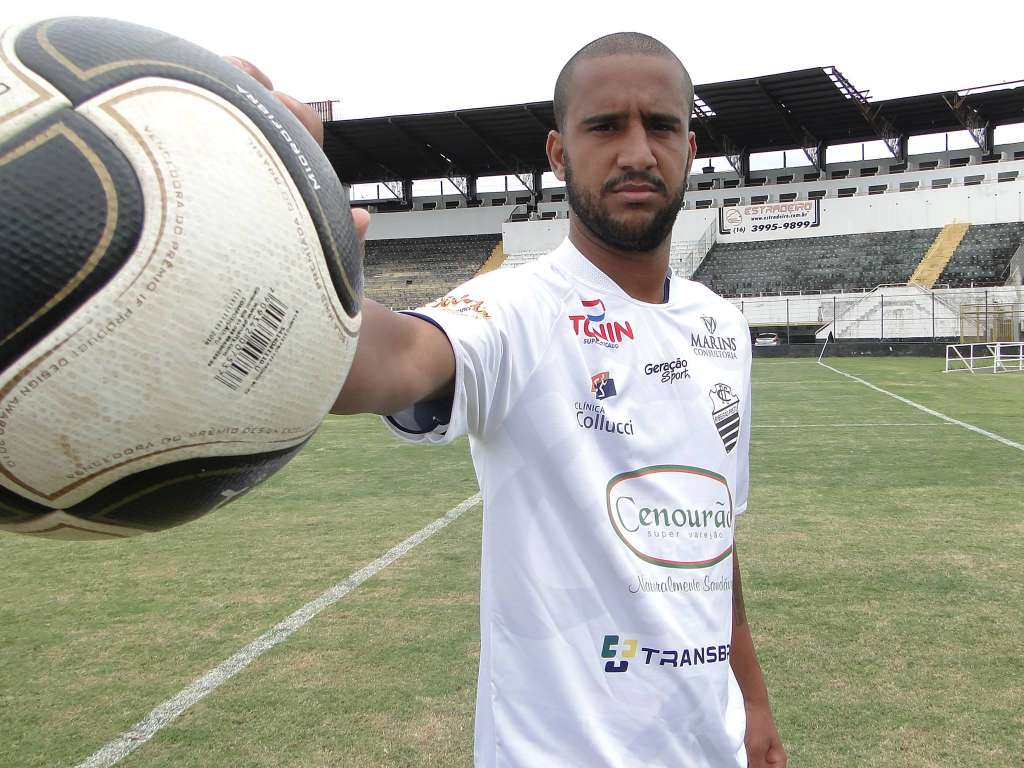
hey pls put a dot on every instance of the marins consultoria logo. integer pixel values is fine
(710, 344)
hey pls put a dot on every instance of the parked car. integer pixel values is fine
(767, 340)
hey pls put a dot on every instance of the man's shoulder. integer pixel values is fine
(707, 299)
(530, 290)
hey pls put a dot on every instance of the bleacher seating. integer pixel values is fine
(983, 255)
(807, 265)
(409, 272)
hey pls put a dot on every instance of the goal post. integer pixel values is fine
(990, 357)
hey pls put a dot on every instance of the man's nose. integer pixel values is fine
(635, 152)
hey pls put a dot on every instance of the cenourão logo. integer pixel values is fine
(595, 329)
(619, 652)
(673, 516)
(710, 345)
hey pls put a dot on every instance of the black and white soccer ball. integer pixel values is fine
(179, 281)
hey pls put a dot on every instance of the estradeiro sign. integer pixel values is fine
(769, 219)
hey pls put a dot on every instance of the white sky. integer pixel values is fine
(380, 57)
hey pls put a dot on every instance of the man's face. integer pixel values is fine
(625, 149)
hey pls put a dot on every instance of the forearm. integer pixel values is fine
(743, 656)
(400, 360)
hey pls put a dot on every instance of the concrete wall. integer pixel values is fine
(458, 221)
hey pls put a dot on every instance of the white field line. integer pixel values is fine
(983, 432)
(171, 709)
(865, 424)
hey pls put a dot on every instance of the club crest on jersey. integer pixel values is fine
(602, 386)
(596, 328)
(725, 410)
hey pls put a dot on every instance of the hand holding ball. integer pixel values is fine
(179, 281)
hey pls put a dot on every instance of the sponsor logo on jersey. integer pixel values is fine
(596, 328)
(602, 386)
(592, 417)
(725, 410)
(619, 653)
(670, 585)
(464, 305)
(672, 516)
(669, 371)
(711, 345)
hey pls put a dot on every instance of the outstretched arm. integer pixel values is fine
(764, 747)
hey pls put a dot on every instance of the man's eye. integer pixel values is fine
(601, 127)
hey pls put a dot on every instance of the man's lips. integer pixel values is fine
(635, 193)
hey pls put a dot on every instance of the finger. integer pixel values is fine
(250, 69)
(361, 219)
(309, 119)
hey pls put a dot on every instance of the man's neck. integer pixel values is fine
(641, 274)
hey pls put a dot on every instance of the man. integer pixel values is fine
(608, 407)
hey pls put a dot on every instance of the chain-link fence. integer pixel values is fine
(893, 312)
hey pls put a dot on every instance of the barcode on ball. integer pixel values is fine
(255, 345)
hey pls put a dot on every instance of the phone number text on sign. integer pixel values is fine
(770, 217)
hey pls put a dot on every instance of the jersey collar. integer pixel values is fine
(568, 258)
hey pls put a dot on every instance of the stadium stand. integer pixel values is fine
(814, 264)
(938, 255)
(409, 272)
(905, 237)
(983, 255)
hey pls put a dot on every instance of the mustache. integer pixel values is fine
(636, 178)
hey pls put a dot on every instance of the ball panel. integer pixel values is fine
(73, 211)
(158, 498)
(83, 57)
(24, 96)
(219, 336)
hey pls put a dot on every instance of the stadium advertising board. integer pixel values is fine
(769, 220)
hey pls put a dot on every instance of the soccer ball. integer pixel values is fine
(179, 281)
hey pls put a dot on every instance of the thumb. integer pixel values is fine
(361, 220)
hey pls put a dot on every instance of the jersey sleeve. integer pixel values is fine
(746, 424)
(493, 357)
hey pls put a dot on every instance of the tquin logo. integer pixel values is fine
(672, 516)
(595, 328)
(620, 652)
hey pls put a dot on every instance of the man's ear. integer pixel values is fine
(556, 154)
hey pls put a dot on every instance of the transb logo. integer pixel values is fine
(618, 655)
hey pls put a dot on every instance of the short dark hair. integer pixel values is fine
(635, 43)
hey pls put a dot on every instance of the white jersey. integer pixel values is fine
(610, 438)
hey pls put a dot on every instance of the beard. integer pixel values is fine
(633, 238)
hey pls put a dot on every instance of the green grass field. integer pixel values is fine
(883, 556)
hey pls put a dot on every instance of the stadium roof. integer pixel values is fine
(809, 108)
